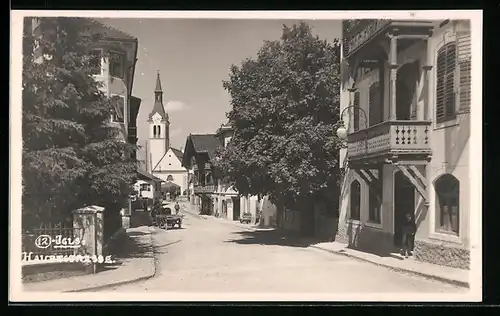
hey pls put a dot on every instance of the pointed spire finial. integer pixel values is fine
(158, 82)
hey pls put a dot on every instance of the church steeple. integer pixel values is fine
(158, 91)
(158, 105)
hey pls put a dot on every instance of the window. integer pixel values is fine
(118, 102)
(445, 87)
(154, 131)
(375, 104)
(447, 204)
(356, 111)
(96, 62)
(116, 64)
(159, 131)
(170, 178)
(355, 200)
(375, 198)
(145, 187)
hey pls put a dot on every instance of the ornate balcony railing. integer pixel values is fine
(390, 138)
(200, 189)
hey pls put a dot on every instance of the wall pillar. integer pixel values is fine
(229, 203)
(393, 65)
(88, 226)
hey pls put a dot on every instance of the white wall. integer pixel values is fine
(450, 149)
(144, 193)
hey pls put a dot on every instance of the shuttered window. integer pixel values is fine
(464, 70)
(118, 108)
(356, 111)
(445, 88)
(375, 104)
(453, 88)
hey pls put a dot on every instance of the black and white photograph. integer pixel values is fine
(246, 156)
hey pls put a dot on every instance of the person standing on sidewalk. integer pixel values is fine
(409, 229)
(177, 208)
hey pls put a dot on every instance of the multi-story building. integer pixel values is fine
(405, 102)
(227, 201)
(198, 153)
(115, 57)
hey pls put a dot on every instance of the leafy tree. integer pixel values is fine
(72, 154)
(285, 108)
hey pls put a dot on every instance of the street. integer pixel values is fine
(214, 255)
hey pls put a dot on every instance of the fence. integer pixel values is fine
(52, 240)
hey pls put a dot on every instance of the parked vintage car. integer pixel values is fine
(246, 218)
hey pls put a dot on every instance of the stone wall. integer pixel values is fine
(442, 255)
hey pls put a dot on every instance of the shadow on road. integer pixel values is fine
(273, 237)
(134, 246)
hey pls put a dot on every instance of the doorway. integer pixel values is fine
(224, 208)
(404, 203)
(406, 85)
(236, 208)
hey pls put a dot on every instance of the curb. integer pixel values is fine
(135, 280)
(397, 269)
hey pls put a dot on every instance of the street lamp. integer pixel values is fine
(342, 130)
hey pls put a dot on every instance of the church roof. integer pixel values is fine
(176, 152)
(158, 105)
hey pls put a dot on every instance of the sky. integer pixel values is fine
(193, 57)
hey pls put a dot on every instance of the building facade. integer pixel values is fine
(162, 160)
(198, 154)
(405, 102)
(227, 202)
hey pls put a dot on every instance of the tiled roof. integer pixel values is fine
(111, 32)
(205, 143)
(146, 175)
(177, 153)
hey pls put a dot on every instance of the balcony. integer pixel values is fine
(204, 189)
(390, 140)
(358, 33)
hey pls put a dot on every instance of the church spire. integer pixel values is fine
(158, 105)
(158, 82)
(158, 91)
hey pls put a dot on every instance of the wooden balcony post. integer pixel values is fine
(393, 65)
(427, 113)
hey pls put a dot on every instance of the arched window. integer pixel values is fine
(159, 130)
(154, 131)
(170, 178)
(447, 204)
(355, 200)
(445, 86)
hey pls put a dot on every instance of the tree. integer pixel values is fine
(285, 108)
(72, 155)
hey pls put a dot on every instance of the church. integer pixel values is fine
(162, 160)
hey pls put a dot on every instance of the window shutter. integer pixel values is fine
(356, 111)
(119, 105)
(464, 71)
(445, 87)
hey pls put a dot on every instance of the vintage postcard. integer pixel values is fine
(246, 156)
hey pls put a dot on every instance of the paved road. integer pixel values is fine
(213, 255)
